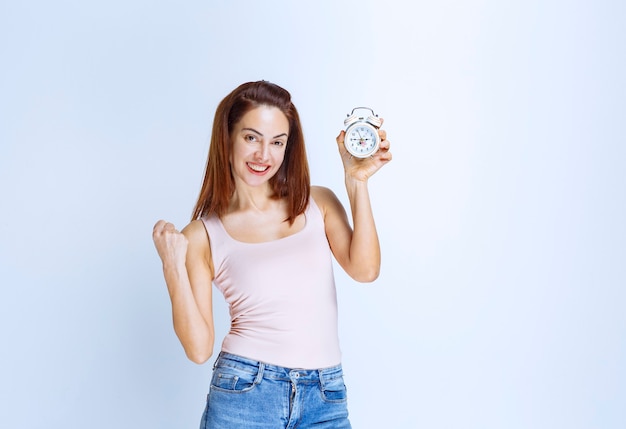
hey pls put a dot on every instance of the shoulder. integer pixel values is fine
(322, 195)
(199, 249)
(325, 199)
(196, 234)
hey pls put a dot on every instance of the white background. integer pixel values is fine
(501, 302)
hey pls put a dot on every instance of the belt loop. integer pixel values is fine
(259, 375)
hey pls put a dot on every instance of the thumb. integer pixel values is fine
(341, 137)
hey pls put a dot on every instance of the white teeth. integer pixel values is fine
(258, 168)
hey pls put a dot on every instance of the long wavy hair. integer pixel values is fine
(291, 181)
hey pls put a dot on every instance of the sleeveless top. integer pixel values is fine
(281, 295)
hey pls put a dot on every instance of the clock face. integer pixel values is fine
(361, 140)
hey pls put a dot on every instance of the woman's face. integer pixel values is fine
(259, 141)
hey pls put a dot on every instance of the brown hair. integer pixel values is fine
(291, 181)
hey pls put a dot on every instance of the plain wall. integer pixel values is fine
(501, 298)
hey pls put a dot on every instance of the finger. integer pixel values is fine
(340, 144)
(158, 227)
(385, 156)
(382, 134)
(163, 227)
(341, 137)
(385, 145)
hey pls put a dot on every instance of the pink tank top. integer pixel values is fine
(281, 295)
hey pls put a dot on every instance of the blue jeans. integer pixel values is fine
(246, 394)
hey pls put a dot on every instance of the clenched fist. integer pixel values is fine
(170, 243)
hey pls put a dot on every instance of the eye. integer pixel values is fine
(250, 138)
(279, 143)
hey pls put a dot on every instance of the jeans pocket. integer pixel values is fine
(334, 390)
(230, 379)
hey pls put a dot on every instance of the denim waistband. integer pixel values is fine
(275, 371)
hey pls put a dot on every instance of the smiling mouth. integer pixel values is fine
(257, 168)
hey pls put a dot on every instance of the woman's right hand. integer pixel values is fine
(170, 243)
(188, 277)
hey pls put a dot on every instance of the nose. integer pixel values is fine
(263, 153)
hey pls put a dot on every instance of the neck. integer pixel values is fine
(255, 199)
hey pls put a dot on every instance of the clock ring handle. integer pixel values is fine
(363, 108)
(372, 119)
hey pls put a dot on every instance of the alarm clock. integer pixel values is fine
(362, 139)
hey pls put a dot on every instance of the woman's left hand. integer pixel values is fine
(362, 169)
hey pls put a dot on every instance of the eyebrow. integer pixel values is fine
(256, 132)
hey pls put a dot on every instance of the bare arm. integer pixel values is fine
(188, 274)
(356, 250)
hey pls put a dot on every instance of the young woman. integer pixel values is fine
(264, 237)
